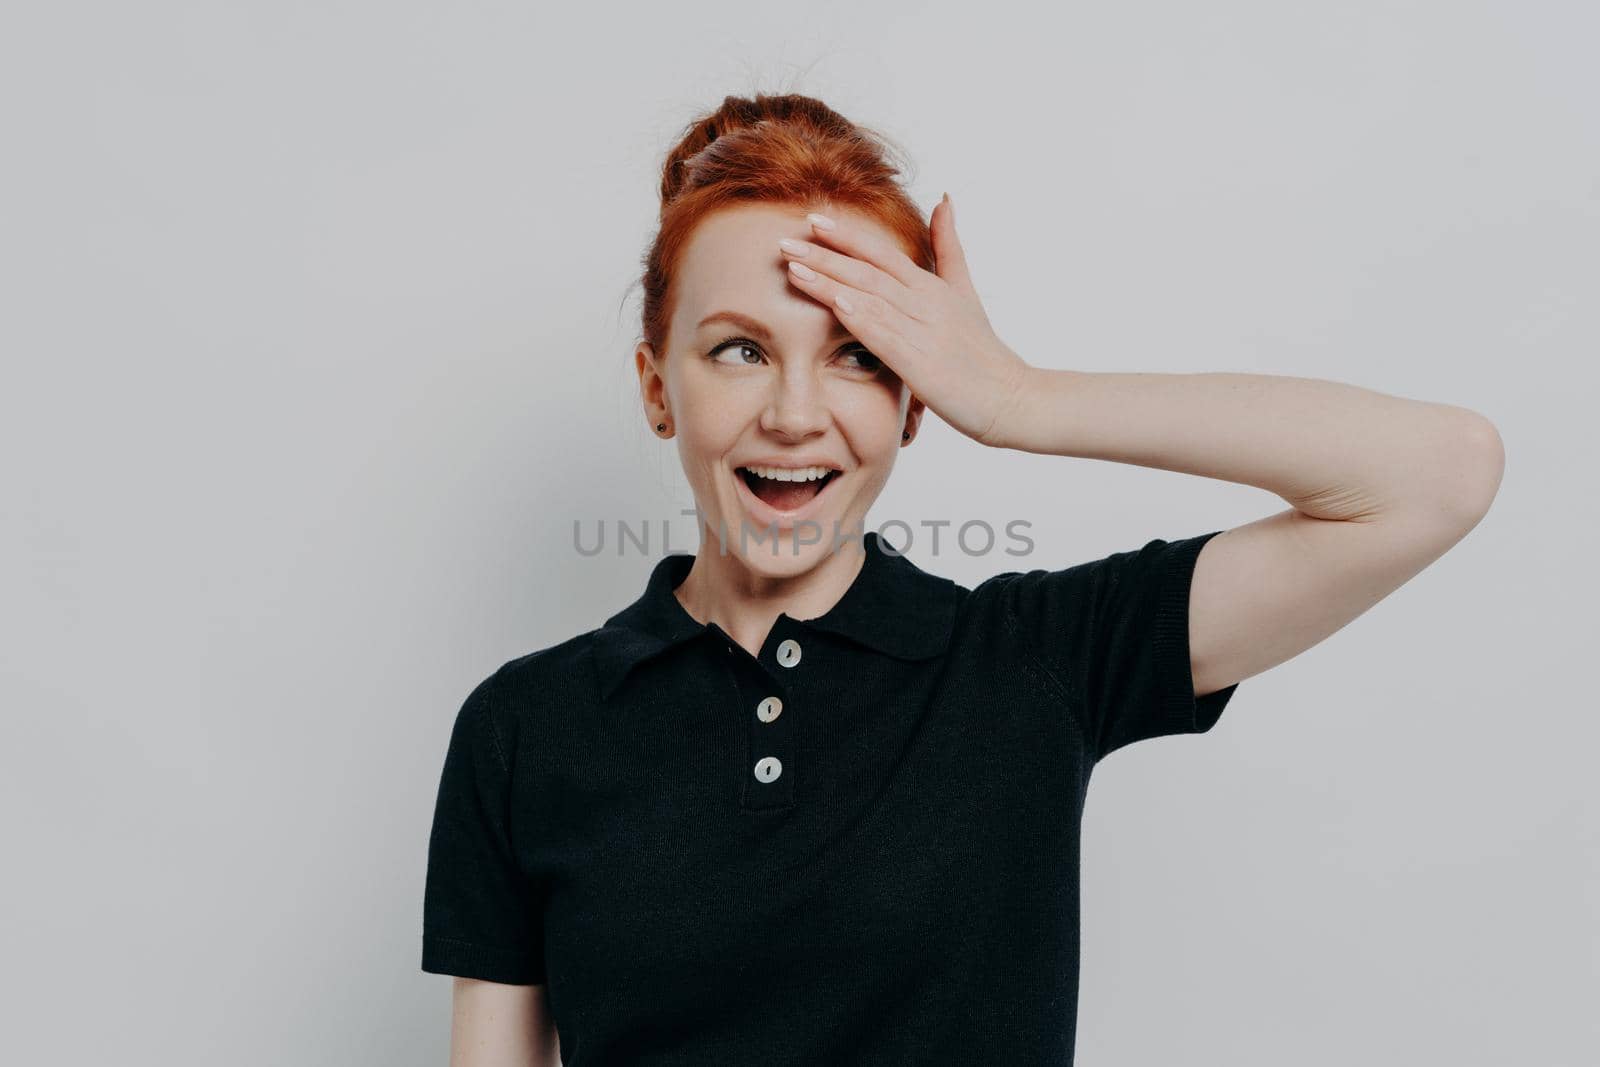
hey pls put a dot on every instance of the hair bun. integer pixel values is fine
(789, 117)
(784, 149)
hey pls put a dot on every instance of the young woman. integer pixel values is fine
(803, 802)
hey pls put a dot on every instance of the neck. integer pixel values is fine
(722, 587)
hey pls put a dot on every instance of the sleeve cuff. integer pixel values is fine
(1182, 711)
(464, 959)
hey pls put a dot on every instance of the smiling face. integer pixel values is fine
(758, 374)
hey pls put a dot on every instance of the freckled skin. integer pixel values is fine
(795, 395)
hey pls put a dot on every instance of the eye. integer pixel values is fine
(865, 359)
(733, 344)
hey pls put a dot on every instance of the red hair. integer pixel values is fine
(773, 149)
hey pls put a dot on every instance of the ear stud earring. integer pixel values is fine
(905, 435)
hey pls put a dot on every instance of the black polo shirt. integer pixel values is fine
(859, 847)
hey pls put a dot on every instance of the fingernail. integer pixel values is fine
(821, 222)
(794, 248)
(802, 271)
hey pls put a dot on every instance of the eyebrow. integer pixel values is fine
(755, 328)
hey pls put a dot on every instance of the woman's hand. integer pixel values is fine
(930, 329)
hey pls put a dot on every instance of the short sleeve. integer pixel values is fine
(1114, 633)
(481, 916)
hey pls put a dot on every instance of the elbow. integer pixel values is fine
(1489, 464)
(1476, 465)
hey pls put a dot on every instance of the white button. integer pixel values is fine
(789, 652)
(768, 769)
(769, 709)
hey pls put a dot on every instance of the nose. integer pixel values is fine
(798, 406)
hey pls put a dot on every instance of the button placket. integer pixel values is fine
(769, 767)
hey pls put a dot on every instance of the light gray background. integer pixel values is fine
(317, 339)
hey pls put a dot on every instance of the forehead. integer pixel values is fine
(732, 259)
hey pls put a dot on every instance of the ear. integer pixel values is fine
(913, 419)
(652, 384)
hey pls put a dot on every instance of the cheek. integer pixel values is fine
(872, 419)
(709, 417)
(707, 434)
(701, 450)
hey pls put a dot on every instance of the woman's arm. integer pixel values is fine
(497, 1025)
(1378, 487)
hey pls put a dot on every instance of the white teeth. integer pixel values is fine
(791, 474)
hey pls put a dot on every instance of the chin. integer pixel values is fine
(776, 556)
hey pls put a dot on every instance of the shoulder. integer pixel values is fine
(558, 679)
(1008, 600)
(1068, 615)
(1072, 589)
(560, 665)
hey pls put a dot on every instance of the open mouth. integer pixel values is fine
(789, 493)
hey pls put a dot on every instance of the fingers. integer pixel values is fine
(870, 319)
(947, 250)
(865, 245)
(828, 290)
(861, 276)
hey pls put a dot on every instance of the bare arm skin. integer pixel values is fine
(496, 1025)
(1378, 486)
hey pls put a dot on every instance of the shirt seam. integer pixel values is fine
(491, 705)
(1068, 696)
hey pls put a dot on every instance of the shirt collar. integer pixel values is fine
(892, 606)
